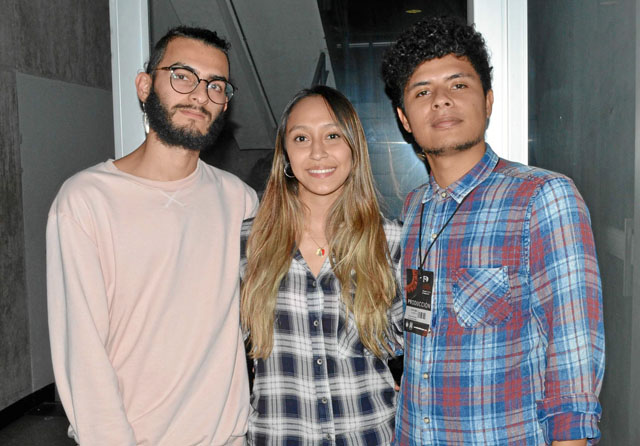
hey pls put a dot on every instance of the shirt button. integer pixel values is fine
(434, 236)
(314, 284)
(324, 400)
(443, 194)
(425, 375)
(426, 420)
(328, 436)
(319, 361)
(316, 323)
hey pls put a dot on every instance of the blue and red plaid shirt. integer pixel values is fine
(515, 354)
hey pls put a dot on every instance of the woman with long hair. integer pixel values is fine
(319, 299)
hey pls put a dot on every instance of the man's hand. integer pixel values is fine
(582, 442)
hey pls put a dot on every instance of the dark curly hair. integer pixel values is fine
(201, 34)
(428, 39)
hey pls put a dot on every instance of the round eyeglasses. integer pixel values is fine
(184, 80)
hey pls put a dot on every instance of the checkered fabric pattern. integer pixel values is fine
(515, 355)
(320, 386)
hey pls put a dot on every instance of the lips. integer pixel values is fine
(193, 112)
(445, 122)
(321, 172)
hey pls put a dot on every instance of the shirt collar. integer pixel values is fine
(461, 188)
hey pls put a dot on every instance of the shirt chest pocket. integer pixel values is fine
(481, 297)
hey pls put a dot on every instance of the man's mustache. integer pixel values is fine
(192, 107)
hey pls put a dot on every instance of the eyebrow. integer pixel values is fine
(305, 127)
(448, 78)
(213, 77)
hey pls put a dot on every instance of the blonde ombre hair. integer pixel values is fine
(358, 248)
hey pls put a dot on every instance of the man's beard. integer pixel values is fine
(440, 151)
(172, 135)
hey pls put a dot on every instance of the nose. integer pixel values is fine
(200, 94)
(441, 99)
(318, 150)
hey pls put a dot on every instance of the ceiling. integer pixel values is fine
(357, 24)
(276, 45)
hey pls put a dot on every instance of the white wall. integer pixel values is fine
(503, 23)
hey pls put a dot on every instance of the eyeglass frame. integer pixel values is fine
(207, 82)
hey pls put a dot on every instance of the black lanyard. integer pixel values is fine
(423, 259)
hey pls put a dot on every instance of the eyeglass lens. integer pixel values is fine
(184, 81)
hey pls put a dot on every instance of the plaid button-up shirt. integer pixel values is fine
(320, 386)
(516, 349)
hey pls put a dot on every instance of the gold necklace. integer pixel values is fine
(320, 251)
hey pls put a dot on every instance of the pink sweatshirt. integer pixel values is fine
(143, 307)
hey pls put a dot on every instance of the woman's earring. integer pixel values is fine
(145, 120)
(287, 166)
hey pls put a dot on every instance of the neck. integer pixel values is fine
(156, 161)
(316, 212)
(449, 168)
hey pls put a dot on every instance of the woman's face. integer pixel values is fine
(319, 155)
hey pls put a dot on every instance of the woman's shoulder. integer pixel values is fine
(392, 228)
(393, 233)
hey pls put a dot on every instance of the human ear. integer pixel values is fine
(403, 119)
(488, 103)
(143, 86)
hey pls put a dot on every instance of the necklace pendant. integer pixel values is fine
(320, 252)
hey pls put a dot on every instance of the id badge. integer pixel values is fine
(417, 315)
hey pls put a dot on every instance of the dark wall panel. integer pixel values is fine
(65, 40)
(69, 41)
(15, 363)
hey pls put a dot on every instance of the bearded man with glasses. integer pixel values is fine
(142, 269)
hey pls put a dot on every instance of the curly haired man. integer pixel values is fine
(504, 339)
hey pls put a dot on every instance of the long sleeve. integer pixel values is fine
(568, 306)
(79, 327)
(251, 202)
